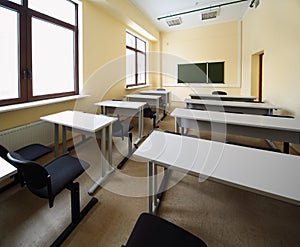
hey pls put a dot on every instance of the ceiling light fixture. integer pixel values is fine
(174, 22)
(196, 10)
(211, 14)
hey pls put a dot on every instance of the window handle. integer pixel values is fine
(27, 74)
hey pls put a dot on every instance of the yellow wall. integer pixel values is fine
(104, 49)
(274, 27)
(211, 43)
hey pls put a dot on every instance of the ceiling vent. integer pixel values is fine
(211, 14)
(174, 22)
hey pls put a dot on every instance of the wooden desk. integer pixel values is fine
(231, 106)
(165, 95)
(223, 97)
(152, 100)
(87, 124)
(270, 173)
(125, 108)
(6, 169)
(286, 130)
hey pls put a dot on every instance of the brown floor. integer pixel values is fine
(219, 214)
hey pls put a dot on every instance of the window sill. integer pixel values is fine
(39, 103)
(135, 87)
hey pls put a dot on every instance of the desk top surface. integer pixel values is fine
(143, 96)
(268, 122)
(6, 169)
(121, 104)
(271, 172)
(223, 96)
(159, 92)
(255, 105)
(80, 120)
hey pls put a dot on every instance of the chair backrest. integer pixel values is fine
(148, 111)
(35, 176)
(3, 153)
(219, 93)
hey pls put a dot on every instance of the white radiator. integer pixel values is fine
(37, 132)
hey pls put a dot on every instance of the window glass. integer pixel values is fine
(9, 50)
(130, 67)
(141, 63)
(59, 9)
(130, 40)
(52, 59)
(15, 1)
(141, 45)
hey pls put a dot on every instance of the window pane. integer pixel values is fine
(15, 1)
(61, 9)
(9, 58)
(130, 40)
(141, 45)
(141, 63)
(52, 58)
(130, 67)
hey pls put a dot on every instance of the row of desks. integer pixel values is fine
(270, 173)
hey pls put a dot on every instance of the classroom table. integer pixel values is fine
(165, 95)
(231, 106)
(223, 97)
(6, 169)
(268, 173)
(282, 129)
(125, 108)
(152, 100)
(88, 125)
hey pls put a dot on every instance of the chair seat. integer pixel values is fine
(151, 230)
(60, 177)
(33, 151)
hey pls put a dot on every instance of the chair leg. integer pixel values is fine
(77, 216)
(154, 122)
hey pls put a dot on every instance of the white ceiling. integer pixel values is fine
(153, 9)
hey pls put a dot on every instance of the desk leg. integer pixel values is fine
(157, 111)
(64, 139)
(105, 172)
(56, 137)
(153, 201)
(140, 126)
(150, 187)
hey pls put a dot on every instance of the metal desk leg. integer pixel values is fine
(64, 139)
(153, 201)
(150, 187)
(157, 111)
(104, 166)
(56, 137)
(140, 126)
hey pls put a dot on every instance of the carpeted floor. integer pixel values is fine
(219, 214)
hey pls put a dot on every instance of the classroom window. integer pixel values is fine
(135, 60)
(39, 50)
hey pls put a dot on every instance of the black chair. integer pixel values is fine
(219, 93)
(30, 152)
(49, 180)
(123, 130)
(151, 230)
(148, 113)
